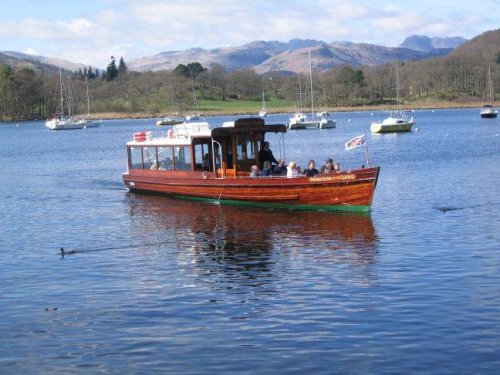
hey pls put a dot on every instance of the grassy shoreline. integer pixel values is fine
(238, 111)
(246, 111)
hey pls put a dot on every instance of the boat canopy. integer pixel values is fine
(247, 125)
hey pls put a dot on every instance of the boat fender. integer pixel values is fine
(171, 133)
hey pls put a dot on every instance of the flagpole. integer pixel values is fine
(366, 154)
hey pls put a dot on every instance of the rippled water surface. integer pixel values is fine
(167, 286)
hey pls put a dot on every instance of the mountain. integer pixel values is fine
(292, 56)
(18, 58)
(485, 45)
(426, 44)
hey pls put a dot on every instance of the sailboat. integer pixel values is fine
(397, 121)
(263, 112)
(60, 121)
(488, 111)
(196, 115)
(88, 122)
(301, 120)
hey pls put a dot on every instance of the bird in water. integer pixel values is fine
(67, 252)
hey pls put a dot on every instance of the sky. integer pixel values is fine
(91, 31)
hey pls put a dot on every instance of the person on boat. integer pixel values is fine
(328, 167)
(280, 169)
(265, 154)
(292, 170)
(266, 170)
(311, 170)
(254, 171)
(154, 165)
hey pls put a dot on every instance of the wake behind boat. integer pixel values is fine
(192, 161)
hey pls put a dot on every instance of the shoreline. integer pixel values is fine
(279, 110)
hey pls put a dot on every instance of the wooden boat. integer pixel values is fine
(192, 161)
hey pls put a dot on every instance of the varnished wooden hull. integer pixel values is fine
(350, 190)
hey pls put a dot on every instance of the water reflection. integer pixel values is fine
(248, 240)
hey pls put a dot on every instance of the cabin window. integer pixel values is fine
(149, 158)
(165, 158)
(202, 160)
(245, 147)
(135, 157)
(183, 158)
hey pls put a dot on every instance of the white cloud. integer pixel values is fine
(30, 51)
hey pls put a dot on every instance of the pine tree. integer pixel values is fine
(122, 67)
(111, 71)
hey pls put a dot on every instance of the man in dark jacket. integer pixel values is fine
(265, 154)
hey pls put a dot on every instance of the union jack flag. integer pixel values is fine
(355, 142)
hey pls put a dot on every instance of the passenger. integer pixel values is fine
(154, 165)
(336, 167)
(205, 162)
(280, 169)
(328, 167)
(292, 170)
(254, 171)
(266, 170)
(265, 154)
(311, 170)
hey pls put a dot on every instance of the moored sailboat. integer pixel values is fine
(488, 111)
(397, 121)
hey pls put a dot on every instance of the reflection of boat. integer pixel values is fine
(192, 161)
(349, 237)
(263, 112)
(397, 121)
(488, 111)
(312, 121)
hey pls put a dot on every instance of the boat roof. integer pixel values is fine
(183, 134)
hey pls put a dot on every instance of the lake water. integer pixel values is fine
(165, 286)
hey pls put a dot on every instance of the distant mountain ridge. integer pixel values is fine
(265, 56)
(426, 44)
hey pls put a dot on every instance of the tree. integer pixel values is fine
(111, 71)
(122, 67)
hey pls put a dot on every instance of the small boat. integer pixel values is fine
(60, 121)
(397, 121)
(301, 120)
(488, 111)
(194, 162)
(392, 124)
(169, 121)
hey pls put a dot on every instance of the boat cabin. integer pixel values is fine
(193, 149)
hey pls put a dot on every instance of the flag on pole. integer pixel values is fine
(355, 142)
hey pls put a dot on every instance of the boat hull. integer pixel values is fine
(349, 190)
(64, 125)
(378, 127)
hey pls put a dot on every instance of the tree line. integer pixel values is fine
(34, 94)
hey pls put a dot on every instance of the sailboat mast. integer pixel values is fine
(61, 95)
(397, 87)
(311, 78)
(88, 98)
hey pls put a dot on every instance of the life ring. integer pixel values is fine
(171, 133)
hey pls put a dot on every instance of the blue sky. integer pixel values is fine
(90, 31)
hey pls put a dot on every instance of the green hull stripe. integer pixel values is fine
(231, 202)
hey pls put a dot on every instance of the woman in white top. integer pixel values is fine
(292, 170)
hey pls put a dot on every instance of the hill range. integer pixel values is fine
(267, 56)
